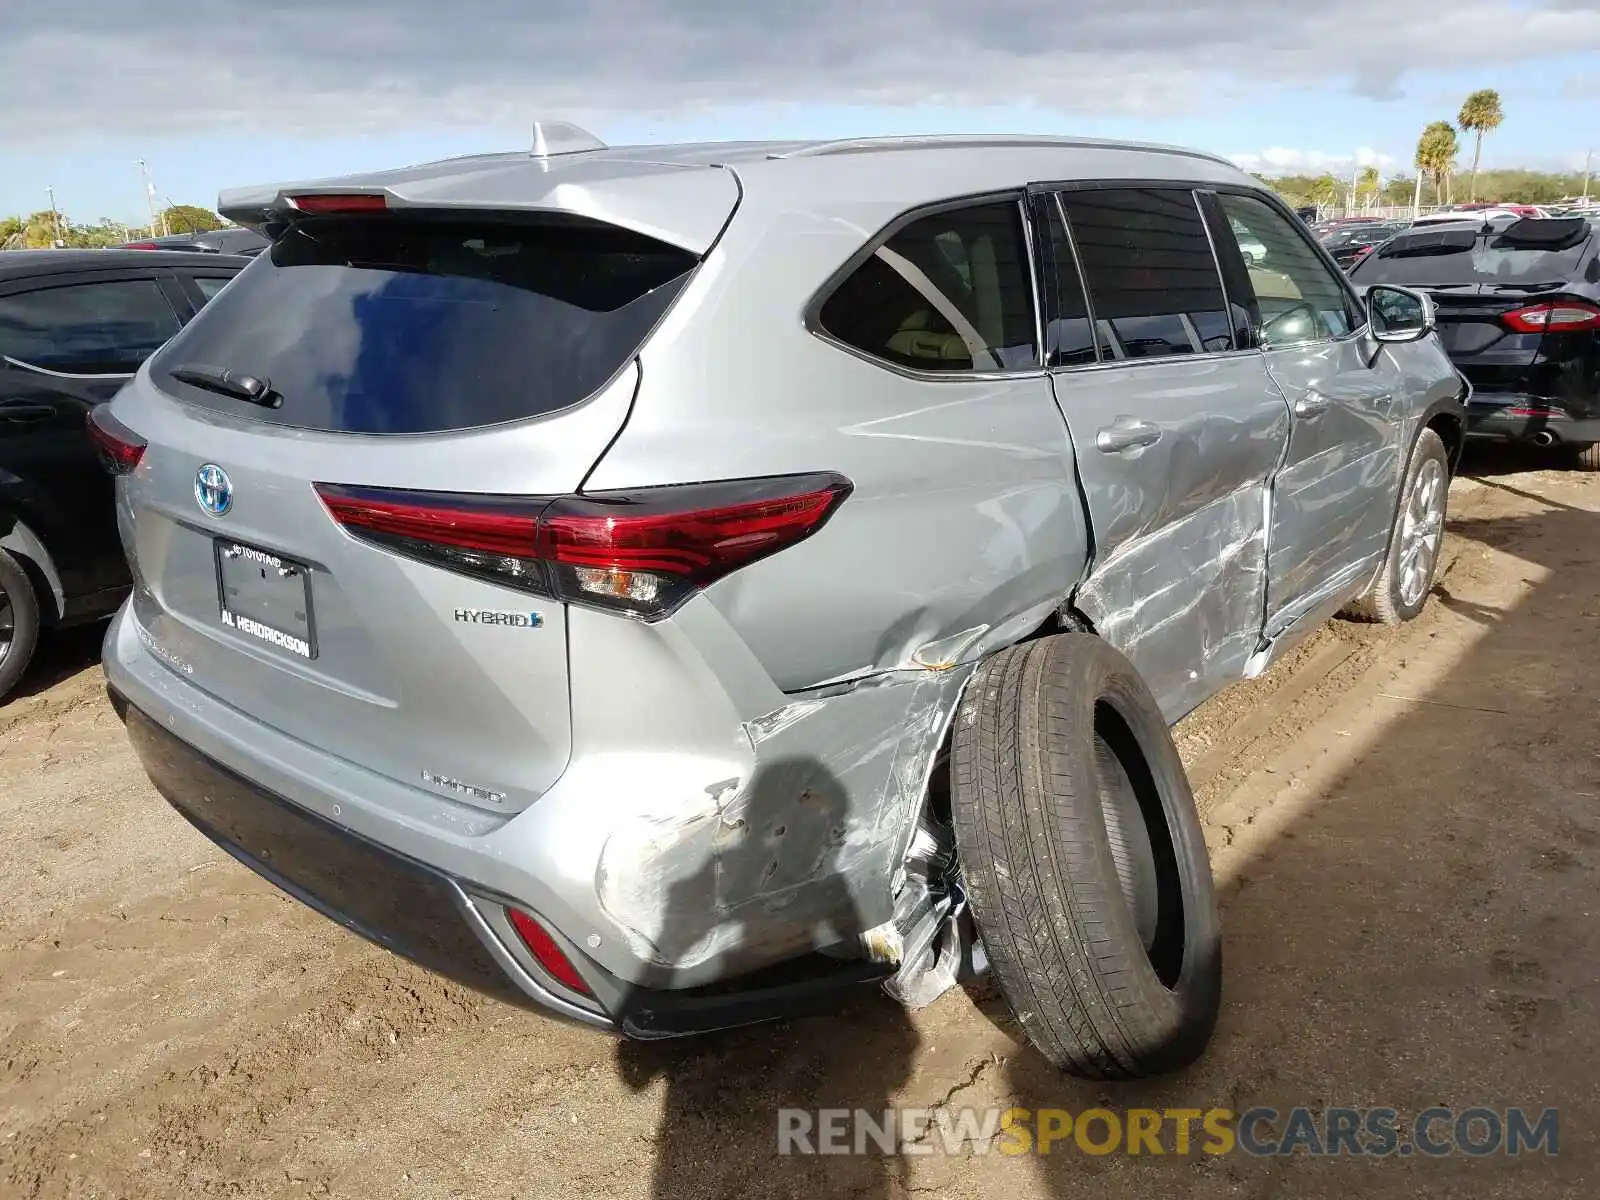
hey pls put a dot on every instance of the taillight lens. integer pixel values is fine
(546, 952)
(1558, 316)
(641, 553)
(141, 246)
(358, 202)
(118, 447)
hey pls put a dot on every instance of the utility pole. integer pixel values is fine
(1588, 161)
(55, 213)
(1355, 182)
(150, 196)
(1416, 200)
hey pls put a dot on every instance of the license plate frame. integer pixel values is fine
(265, 597)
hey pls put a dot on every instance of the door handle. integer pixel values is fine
(26, 412)
(1310, 406)
(1126, 433)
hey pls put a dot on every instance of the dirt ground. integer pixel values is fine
(1405, 826)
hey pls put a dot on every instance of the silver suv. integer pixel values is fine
(672, 585)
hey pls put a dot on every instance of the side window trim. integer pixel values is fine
(1105, 334)
(811, 314)
(1051, 197)
(1230, 263)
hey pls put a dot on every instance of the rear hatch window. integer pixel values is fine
(404, 324)
(1527, 252)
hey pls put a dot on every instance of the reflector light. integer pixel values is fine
(545, 951)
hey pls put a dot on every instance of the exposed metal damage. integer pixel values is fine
(1180, 602)
(816, 847)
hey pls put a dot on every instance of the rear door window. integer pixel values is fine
(1152, 277)
(105, 327)
(949, 292)
(1302, 298)
(403, 325)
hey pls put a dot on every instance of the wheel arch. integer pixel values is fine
(23, 544)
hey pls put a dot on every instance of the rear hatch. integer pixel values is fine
(1495, 292)
(469, 361)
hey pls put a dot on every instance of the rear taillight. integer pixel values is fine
(641, 553)
(1559, 316)
(141, 246)
(118, 447)
(546, 952)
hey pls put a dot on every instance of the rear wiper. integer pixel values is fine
(1529, 287)
(253, 389)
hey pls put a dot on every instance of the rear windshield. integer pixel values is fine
(408, 325)
(1462, 255)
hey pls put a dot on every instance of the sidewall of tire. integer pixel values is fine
(1428, 445)
(25, 615)
(1123, 1022)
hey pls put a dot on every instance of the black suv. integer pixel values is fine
(74, 326)
(1519, 313)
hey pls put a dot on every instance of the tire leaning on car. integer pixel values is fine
(1082, 855)
(1400, 592)
(19, 622)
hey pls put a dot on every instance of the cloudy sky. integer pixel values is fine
(232, 92)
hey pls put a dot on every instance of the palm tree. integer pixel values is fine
(1436, 155)
(1367, 184)
(1481, 114)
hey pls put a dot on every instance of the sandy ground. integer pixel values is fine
(1405, 825)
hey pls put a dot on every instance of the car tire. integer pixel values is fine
(1081, 853)
(19, 622)
(1400, 592)
(1586, 457)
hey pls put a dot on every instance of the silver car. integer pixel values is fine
(671, 586)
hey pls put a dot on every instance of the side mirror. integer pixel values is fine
(1397, 314)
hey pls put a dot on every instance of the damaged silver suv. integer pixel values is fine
(670, 585)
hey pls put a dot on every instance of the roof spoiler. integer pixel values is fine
(255, 206)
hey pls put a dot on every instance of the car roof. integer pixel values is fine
(20, 264)
(684, 193)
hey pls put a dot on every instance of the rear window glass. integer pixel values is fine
(409, 325)
(1445, 256)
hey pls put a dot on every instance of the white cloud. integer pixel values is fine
(1280, 160)
(251, 67)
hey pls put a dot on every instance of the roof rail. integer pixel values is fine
(1001, 141)
(562, 137)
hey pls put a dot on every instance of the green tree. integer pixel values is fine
(1367, 184)
(10, 233)
(1480, 114)
(191, 218)
(1325, 190)
(1436, 155)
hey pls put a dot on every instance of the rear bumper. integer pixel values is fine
(399, 904)
(433, 880)
(1517, 418)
